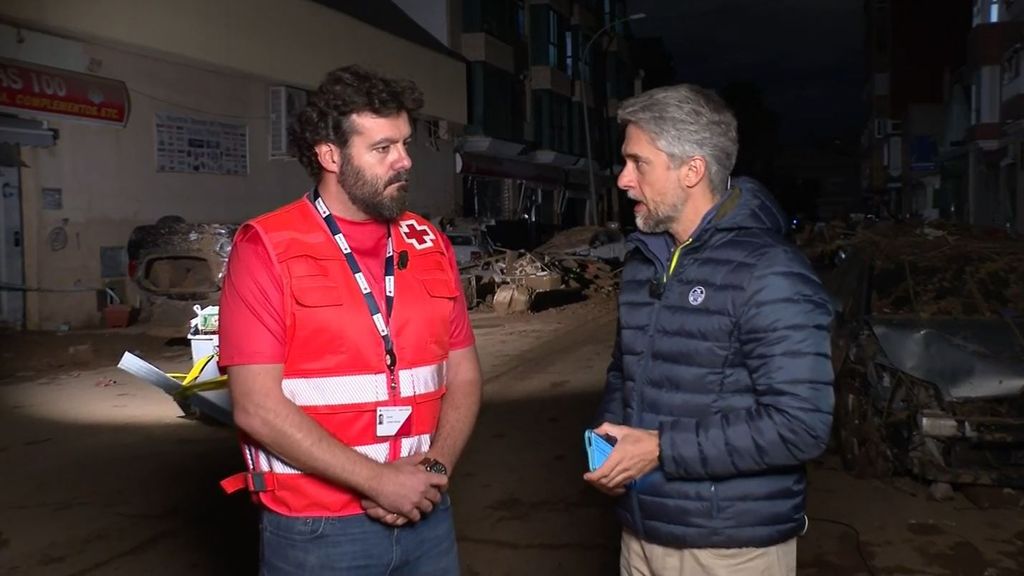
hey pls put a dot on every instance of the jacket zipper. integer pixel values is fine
(667, 277)
(669, 269)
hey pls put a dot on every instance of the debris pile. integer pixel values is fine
(581, 260)
(942, 269)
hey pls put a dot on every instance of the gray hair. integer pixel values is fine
(686, 121)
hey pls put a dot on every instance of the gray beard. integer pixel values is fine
(654, 223)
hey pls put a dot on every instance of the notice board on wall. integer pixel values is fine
(199, 146)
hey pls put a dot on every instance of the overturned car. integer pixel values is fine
(929, 355)
(179, 260)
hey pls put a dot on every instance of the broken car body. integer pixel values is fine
(929, 355)
(179, 260)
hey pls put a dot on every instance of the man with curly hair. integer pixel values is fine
(351, 361)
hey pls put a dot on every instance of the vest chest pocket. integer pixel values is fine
(319, 321)
(318, 294)
(437, 309)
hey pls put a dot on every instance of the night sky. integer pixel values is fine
(806, 56)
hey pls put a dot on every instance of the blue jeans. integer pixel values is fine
(358, 545)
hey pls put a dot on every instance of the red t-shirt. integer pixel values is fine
(252, 325)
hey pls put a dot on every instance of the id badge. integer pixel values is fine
(391, 418)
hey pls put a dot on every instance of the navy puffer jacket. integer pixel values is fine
(730, 362)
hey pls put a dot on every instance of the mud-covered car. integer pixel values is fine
(929, 355)
(179, 260)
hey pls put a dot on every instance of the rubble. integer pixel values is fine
(511, 280)
(587, 241)
(940, 269)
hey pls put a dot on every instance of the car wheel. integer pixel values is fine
(859, 428)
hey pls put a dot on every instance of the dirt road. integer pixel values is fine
(100, 477)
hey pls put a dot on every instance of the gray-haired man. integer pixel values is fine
(720, 385)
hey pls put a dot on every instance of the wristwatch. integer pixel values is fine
(434, 465)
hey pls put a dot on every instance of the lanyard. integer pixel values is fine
(379, 320)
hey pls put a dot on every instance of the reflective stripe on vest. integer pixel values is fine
(341, 390)
(352, 391)
(346, 407)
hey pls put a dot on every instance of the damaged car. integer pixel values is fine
(179, 260)
(929, 355)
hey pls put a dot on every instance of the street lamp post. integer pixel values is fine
(586, 119)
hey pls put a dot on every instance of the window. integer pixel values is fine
(285, 105)
(548, 37)
(552, 121)
(976, 99)
(488, 84)
(432, 133)
(569, 52)
(553, 38)
(619, 82)
(495, 17)
(560, 136)
(520, 19)
(882, 32)
(991, 8)
(1011, 65)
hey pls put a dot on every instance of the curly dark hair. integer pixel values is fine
(346, 91)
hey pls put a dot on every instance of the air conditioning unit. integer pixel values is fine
(285, 104)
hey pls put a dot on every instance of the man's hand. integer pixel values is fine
(635, 454)
(378, 513)
(405, 492)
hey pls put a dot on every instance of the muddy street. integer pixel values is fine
(103, 477)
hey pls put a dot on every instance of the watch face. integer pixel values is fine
(435, 466)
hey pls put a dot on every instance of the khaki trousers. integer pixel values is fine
(641, 558)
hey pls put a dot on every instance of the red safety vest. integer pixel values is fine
(335, 367)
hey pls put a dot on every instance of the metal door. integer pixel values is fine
(12, 256)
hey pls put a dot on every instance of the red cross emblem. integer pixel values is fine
(419, 236)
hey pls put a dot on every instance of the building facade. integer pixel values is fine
(523, 156)
(912, 50)
(206, 91)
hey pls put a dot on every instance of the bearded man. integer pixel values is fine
(350, 358)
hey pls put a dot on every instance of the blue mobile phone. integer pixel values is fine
(598, 448)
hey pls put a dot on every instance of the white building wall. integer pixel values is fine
(108, 175)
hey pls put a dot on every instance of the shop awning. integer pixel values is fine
(25, 132)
